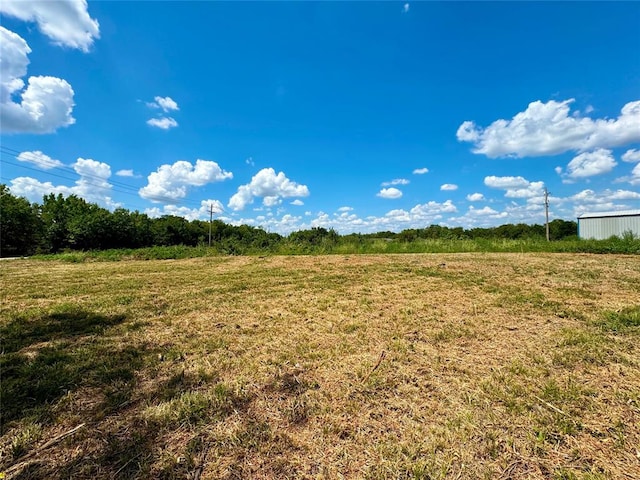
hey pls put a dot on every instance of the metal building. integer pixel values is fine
(602, 225)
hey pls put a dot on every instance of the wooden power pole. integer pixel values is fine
(211, 221)
(546, 211)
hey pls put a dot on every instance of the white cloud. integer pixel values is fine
(92, 184)
(635, 175)
(165, 123)
(345, 209)
(482, 211)
(515, 187)
(607, 200)
(171, 182)
(421, 171)
(631, 156)
(270, 187)
(430, 209)
(479, 217)
(505, 182)
(395, 220)
(39, 159)
(284, 225)
(448, 187)
(558, 170)
(47, 102)
(396, 181)
(588, 196)
(475, 197)
(34, 190)
(14, 61)
(534, 189)
(125, 173)
(297, 202)
(66, 22)
(588, 164)
(165, 103)
(201, 213)
(389, 193)
(548, 129)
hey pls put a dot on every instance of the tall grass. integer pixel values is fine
(614, 245)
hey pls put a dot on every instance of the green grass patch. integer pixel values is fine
(627, 320)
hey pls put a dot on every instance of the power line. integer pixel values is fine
(112, 185)
(15, 154)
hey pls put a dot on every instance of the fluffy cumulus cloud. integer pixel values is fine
(269, 186)
(345, 221)
(92, 184)
(200, 213)
(480, 212)
(631, 156)
(515, 187)
(34, 190)
(589, 200)
(475, 197)
(590, 196)
(389, 193)
(589, 164)
(39, 159)
(163, 123)
(448, 187)
(479, 217)
(635, 175)
(550, 129)
(505, 182)
(396, 181)
(421, 171)
(430, 209)
(66, 22)
(46, 103)
(125, 173)
(171, 182)
(167, 104)
(297, 202)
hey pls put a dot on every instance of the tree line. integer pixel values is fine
(62, 223)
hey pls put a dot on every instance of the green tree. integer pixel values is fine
(19, 225)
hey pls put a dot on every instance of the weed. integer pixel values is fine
(27, 436)
(626, 320)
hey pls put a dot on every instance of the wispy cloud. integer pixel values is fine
(396, 181)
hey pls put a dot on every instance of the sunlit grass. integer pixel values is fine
(473, 365)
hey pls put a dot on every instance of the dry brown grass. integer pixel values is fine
(396, 366)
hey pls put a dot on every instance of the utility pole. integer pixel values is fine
(546, 210)
(211, 221)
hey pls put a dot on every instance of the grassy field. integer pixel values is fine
(432, 366)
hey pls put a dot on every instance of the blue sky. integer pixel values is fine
(359, 116)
